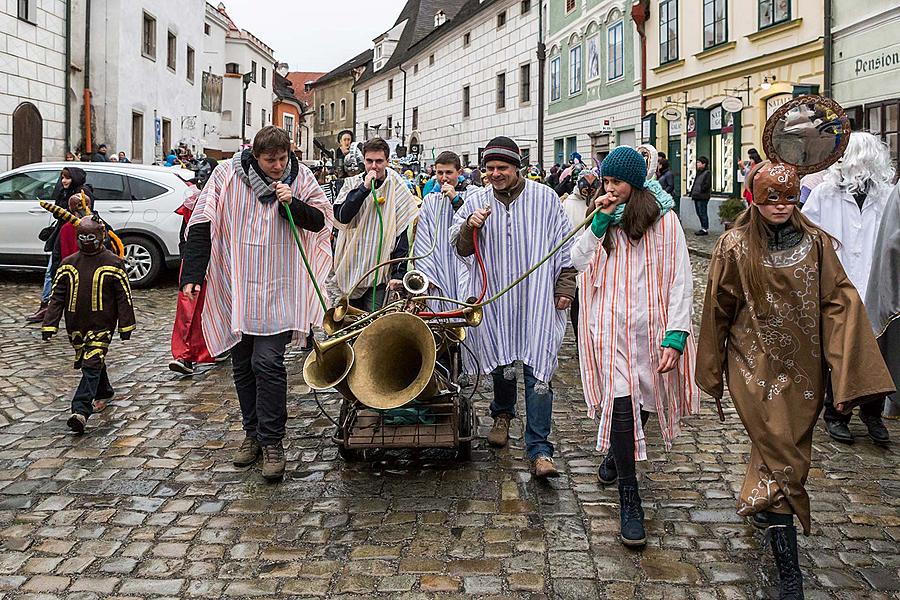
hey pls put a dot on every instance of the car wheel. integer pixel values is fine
(143, 260)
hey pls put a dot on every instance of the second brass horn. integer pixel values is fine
(395, 358)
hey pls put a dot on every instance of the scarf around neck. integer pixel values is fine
(663, 200)
(263, 186)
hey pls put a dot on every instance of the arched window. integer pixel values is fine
(331, 111)
(343, 108)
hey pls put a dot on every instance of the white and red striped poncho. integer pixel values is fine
(256, 282)
(628, 301)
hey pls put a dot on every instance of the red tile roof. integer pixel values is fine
(298, 79)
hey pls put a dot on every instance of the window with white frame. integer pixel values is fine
(288, 124)
(615, 51)
(593, 57)
(555, 91)
(321, 113)
(343, 108)
(331, 109)
(575, 70)
(148, 40)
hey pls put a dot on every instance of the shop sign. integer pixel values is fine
(645, 129)
(775, 102)
(674, 128)
(671, 114)
(732, 104)
(692, 126)
(715, 118)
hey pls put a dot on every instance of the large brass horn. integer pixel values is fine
(395, 362)
(329, 368)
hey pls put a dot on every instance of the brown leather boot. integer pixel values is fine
(499, 433)
(543, 467)
(273, 462)
(247, 454)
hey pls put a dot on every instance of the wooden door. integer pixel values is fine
(27, 135)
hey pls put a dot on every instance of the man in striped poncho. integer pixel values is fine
(519, 222)
(258, 294)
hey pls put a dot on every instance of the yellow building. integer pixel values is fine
(716, 69)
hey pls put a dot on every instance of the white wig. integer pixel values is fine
(866, 161)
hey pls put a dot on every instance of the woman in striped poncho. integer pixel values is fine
(636, 294)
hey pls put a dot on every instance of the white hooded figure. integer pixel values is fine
(850, 203)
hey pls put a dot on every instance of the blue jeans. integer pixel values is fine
(538, 410)
(48, 282)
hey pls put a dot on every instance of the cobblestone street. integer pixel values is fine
(148, 504)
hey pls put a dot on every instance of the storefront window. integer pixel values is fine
(883, 121)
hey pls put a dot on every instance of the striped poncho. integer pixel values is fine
(524, 324)
(256, 283)
(356, 250)
(629, 300)
(443, 267)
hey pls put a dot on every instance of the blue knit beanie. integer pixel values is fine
(624, 163)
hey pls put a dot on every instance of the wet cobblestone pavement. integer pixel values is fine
(148, 504)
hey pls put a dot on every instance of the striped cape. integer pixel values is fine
(357, 241)
(628, 301)
(443, 267)
(256, 282)
(523, 324)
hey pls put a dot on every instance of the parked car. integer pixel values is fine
(138, 202)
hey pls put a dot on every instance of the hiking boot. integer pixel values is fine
(185, 367)
(38, 315)
(543, 467)
(839, 431)
(701, 232)
(77, 422)
(273, 462)
(876, 429)
(247, 454)
(783, 539)
(499, 433)
(631, 515)
(607, 473)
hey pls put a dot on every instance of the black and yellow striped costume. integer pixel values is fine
(94, 294)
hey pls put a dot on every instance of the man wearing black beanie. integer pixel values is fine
(518, 222)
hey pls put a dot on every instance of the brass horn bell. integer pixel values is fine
(415, 282)
(395, 362)
(340, 316)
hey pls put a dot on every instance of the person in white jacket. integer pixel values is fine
(849, 205)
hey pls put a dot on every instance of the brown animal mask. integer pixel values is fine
(774, 183)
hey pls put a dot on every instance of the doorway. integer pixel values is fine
(27, 135)
(673, 153)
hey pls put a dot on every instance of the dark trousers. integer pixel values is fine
(622, 438)
(94, 384)
(702, 209)
(364, 302)
(872, 408)
(261, 383)
(573, 314)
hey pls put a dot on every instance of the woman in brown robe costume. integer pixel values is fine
(774, 331)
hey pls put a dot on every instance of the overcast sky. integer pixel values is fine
(314, 35)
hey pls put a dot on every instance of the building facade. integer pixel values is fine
(866, 66)
(593, 80)
(142, 75)
(215, 30)
(32, 82)
(287, 110)
(710, 57)
(452, 75)
(302, 82)
(333, 101)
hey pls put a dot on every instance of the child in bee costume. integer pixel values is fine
(91, 288)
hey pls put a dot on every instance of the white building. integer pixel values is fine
(142, 74)
(245, 54)
(215, 30)
(32, 82)
(465, 71)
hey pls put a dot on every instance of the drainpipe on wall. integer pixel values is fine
(88, 142)
(68, 66)
(403, 118)
(829, 50)
(639, 14)
(542, 61)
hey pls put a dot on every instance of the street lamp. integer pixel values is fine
(766, 84)
(246, 79)
(397, 129)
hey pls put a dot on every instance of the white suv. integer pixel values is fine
(138, 202)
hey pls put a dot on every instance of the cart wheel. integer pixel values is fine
(464, 451)
(350, 454)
